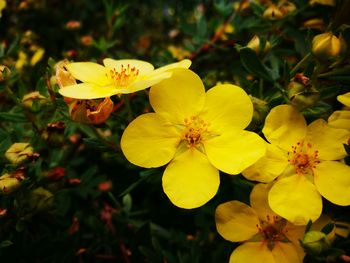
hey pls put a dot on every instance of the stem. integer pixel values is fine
(300, 64)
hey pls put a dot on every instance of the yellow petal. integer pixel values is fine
(259, 202)
(345, 99)
(143, 66)
(178, 97)
(284, 126)
(327, 140)
(340, 119)
(285, 253)
(294, 234)
(233, 152)
(89, 72)
(227, 107)
(252, 252)
(186, 63)
(236, 221)
(296, 199)
(86, 91)
(149, 141)
(332, 180)
(145, 82)
(268, 167)
(190, 180)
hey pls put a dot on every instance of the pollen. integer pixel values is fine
(303, 157)
(123, 76)
(195, 131)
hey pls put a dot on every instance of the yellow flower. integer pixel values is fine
(341, 119)
(2, 6)
(197, 132)
(115, 77)
(265, 236)
(326, 45)
(305, 160)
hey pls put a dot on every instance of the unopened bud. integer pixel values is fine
(326, 46)
(323, 2)
(19, 152)
(286, 7)
(40, 199)
(256, 45)
(302, 95)
(261, 109)
(314, 23)
(29, 99)
(273, 13)
(5, 72)
(9, 183)
(315, 242)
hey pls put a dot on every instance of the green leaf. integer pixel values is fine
(252, 64)
(6, 243)
(327, 228)
(14, 117)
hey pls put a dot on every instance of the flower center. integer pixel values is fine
(195, 131)
(303, 158)
(124, 76)
(273, 230)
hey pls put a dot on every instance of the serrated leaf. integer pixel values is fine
(253, 65)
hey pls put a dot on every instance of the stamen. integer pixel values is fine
(124, 76)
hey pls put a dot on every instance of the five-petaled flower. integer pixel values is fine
(265, 236)
(197, 133)
(305, 160)
(115, 77)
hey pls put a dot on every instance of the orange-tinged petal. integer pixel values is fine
(252, 252)
(327, 140)
(232, 152)
(89, 72)
(296, 199)
(268, 167)
(259, 201)
(340, 119)
(178, 97)
(236, 221)
(142, 66)
(285, 253)
(345, 99)
(87, 91)
(227, 107)
(190, 180)
(149, 141)
(332, 180)
(284, 126)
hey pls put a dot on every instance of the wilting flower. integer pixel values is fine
(304, 158)
(115, 77)
(341, 118)
(265, 236)
(195, 133)
(84, 111)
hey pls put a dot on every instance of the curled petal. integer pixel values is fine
(89, 72)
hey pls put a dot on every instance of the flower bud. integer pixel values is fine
(315, 242)
(302, 95)
(323, 2)
(8, 183)
(261, 109)
(19, 152)
(326, 46)
(40, 199)
(272, 13)
(314, 23)
(255, 45)
(91, 111)
(29, 99)
(5, 72)
(286, 7)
